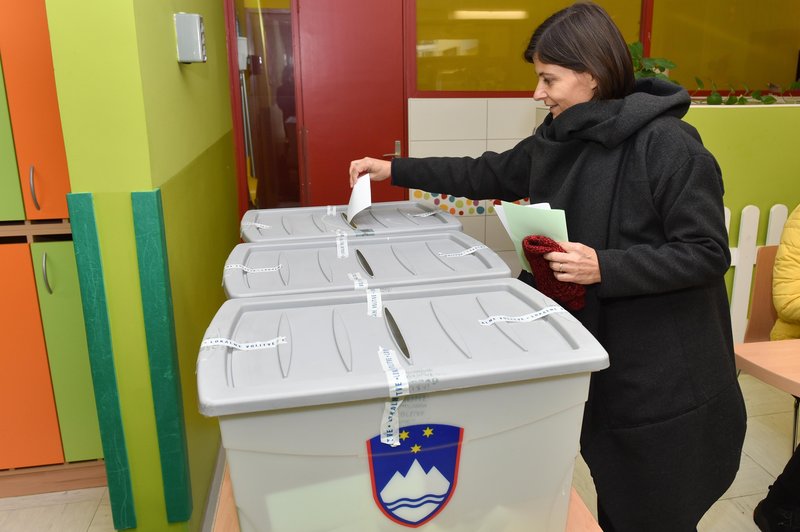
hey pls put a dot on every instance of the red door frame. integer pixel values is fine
(232, 45)
(646, 26)
(302, 163)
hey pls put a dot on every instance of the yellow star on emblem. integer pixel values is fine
(428, 432)
(404, 435)
(416, 448)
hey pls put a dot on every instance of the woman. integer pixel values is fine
(780, 510)
(663, 426)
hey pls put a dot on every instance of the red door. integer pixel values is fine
(349, 68)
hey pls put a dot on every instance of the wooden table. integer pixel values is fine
(777, 363)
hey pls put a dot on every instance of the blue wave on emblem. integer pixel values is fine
(415, 503)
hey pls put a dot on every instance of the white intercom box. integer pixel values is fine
(190, 37)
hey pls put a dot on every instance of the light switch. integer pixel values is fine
(190, 37)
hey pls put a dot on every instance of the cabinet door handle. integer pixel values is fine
(397, 150)
(44, 273)
(33, 189)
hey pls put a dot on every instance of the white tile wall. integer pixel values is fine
(510, 118)
(458, 127)
(501, 145)
(446, 119)
(446, 148)
(496, 236)
(474, 226)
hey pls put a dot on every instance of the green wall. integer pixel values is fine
(187, 106)
(134, 119)
(756, 147)
(100, 96)
(202, 227)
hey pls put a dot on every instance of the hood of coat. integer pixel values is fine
(611, 122)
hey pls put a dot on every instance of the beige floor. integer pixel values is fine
(766, 450)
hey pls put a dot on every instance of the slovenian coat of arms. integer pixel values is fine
(414, 481)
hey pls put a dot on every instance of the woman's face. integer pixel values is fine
(560, 88)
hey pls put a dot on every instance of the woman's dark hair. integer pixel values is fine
(583, 38)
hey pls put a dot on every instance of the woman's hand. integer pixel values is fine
(377, 169)
(578, 265)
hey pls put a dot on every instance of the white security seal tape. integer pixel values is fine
(464, 253)
(424, 214)
(359, 283)
(398, 387)
(247, 269)
(374, 304)
(527, 317)
(251, 224)
(342, 251)
(252, 346)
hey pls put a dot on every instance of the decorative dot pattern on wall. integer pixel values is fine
(452, 204)
(459, 206)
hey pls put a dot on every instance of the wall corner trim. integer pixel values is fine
(159, 322)
(101, 357)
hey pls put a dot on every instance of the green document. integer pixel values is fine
(523, 220)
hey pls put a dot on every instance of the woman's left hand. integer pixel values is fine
(578, 265)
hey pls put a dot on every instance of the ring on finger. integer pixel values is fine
(560, 267)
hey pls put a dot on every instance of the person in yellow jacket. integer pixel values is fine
(786, 281)
(780, 510)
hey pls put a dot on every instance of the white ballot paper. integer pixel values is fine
(537, 219)
(360, 197)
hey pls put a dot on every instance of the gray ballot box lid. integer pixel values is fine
(313, 223)
(284, 268)
(261, 354)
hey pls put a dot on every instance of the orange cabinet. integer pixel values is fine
(29, 433)
(33, 108)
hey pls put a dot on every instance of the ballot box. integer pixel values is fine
(315, 223)
(454, 406)
(284, 268)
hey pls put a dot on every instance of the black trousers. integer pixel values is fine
(786, 489)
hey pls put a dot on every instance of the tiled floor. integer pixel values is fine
(767, 448)
(85, 510)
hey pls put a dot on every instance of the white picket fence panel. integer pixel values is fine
(743, 258)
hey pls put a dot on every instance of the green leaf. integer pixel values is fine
(636, 49)
(794, 86)
(742, 100)
(756, 95)
(768, 99)
(699, 82)
(714, 98)
(732, 99)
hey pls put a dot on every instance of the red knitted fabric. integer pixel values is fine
(570, 295)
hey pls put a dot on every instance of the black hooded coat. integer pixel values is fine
(664, 424)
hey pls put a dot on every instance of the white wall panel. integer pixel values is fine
(447, 148)
(446, 118)
(510, 118)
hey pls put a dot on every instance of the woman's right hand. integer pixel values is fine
(377, 169)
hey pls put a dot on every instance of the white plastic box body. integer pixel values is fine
(285, 268)
(314, 223)
(300, 421)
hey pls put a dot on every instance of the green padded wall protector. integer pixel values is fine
(101, 357)
(159, 323)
